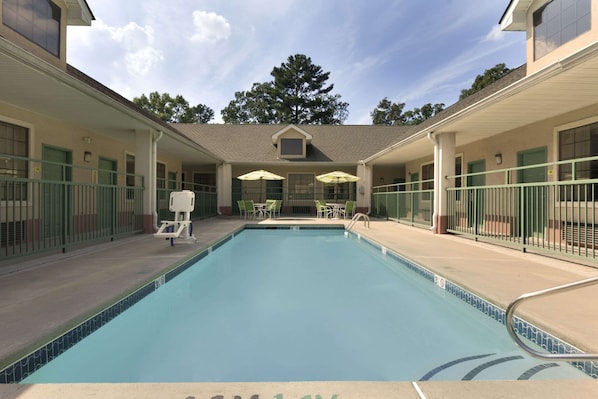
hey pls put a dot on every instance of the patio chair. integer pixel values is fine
(322, 210)
(277, 207)
(250, 208)
(270, 207)
(182, 203)
(348, 210)
(242, 209)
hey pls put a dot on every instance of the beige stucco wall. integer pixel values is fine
(563, 51)
(55, 133)
(35, 49)
(541, 134)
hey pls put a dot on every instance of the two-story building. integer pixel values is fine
(78, 162)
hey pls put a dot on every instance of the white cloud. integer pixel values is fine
(495, 34)
(210, 27)
(140, 62)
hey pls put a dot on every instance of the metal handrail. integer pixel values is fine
(366, 219)
(549, 291)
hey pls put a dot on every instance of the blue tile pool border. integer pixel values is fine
(545, 340)
(23, 367)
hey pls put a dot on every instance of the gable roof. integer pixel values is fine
(249, 143)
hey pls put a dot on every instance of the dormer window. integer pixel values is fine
(291, 147)
(36, 20)
(292, 142)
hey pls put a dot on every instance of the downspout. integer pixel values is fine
(153, 179)
(434, 139)
(219, 184)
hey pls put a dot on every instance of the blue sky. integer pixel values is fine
(411, 51)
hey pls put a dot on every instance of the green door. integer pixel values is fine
(106, 202)
(476, 205)
(532, 199)
(56, 209)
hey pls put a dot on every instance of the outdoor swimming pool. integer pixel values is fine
(297, 305)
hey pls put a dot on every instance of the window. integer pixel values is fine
(558, 22)
(291, 147)
(301, 186)
(37, 20)
(14, 145)
(579, 142)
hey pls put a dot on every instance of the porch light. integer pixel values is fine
(87, 140)
(498, 158)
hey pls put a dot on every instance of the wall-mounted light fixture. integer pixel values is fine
(381, 180)
(87, 156)
(87, 140)
(498, 158)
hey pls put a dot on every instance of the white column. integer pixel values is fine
(224, 188)
(444, 157)
(145, 166)
(364, 188)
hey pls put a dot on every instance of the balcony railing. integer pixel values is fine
(77, 205)
(544, 216)
(405, 203)
(553, 216)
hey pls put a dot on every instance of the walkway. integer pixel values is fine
(42, 297)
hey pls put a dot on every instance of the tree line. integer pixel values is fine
(299, 93)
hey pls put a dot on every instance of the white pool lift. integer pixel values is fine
(182, 204)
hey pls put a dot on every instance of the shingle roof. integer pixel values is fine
(331, 143)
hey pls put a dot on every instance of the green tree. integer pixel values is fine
(490, 75)
(298, 94)
(174, 109)
(390, 113)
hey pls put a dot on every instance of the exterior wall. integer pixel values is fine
(251, 189)
(33, 48)
(563, 51)
(52, 132)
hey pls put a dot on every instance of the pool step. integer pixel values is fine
(502, 366)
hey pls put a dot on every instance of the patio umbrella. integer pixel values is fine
(337, 177)
(260, 175)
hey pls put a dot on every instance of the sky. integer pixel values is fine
(409, 51)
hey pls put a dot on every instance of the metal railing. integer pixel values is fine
(542, 293)
(356, 217)
(206, 199)
(404, 203)
(38, 215)
(554, 216)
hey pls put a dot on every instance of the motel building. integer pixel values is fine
(514, 164)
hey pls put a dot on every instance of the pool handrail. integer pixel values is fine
(366, 220)
(545, 292)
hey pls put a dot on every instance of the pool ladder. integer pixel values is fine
(356, 217)
(549, 291)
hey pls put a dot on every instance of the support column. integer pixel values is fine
(224, 189)
(364, 188)
(444, 157)
(145, 166)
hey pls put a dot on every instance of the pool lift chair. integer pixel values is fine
(182, 204)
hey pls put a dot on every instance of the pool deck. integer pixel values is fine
(43, 296)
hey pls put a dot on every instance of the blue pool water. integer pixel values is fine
(297, 305)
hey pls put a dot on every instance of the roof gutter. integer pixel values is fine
(517, 87)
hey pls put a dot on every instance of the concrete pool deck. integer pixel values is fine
(43, 296)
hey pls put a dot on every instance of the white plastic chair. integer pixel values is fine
(182, 203)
